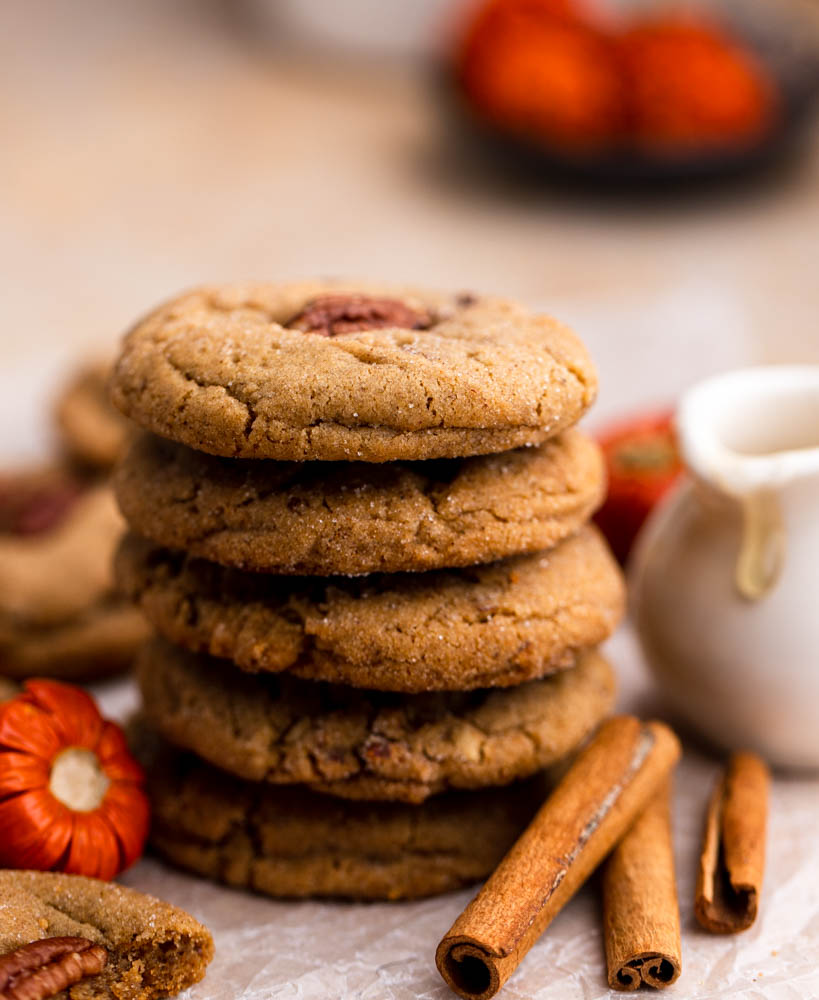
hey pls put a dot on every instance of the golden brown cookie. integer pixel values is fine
(92, 431)
(339, 372)
(152, 949)
(350, 517)
(293, 842)
(484, 626)
(60, 615)
(368, 744)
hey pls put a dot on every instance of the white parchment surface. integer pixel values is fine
(314, 951)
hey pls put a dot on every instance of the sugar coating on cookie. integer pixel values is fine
(499, 624)
(368, 744)
(273, 371)
(354, 517)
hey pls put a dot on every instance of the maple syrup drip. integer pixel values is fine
(762, 551)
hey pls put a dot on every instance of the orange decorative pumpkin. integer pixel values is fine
(71, 794)
(576, 74)
(643, 463)
(540, 67)
(691, 85)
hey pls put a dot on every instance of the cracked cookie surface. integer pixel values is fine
(483, 626)
(226, 370)
(291, 842)
(154, 949)
(368, 744)
(351, 517)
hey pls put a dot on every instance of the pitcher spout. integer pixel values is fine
(749, 436)
(753, 430)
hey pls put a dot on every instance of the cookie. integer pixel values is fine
(100, 643)
(338, 372)
(92, 431)
(484, 626)
(153, 949)
(349, 517)
(291, 842)
(368, 744)
(8, 689)
(35, 500)
(60, 615)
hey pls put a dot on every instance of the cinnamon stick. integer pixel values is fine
(641, 916)
(599, 798)
(732, 861)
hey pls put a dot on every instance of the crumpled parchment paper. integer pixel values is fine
(267, 949)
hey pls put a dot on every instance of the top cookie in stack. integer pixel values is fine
(379, 492)
(325, 372)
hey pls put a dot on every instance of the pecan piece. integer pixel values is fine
(377, 748)
(45, 968)
(33, 503)
(331, 315)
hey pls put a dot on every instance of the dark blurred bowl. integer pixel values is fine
(789, 52)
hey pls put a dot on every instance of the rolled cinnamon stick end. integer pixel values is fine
(599, 798)
(641, 915)
(732, 862)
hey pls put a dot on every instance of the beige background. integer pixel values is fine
(149, 146)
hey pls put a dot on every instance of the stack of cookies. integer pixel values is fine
(359, 525)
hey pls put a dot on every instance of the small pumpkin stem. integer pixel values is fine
(77, 779)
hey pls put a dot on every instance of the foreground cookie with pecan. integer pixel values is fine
(292, 842)
(369, 744)
(340, 372)
(350, 517)
(482, 626)
(60, 615)
(49, 967)
(64, 935)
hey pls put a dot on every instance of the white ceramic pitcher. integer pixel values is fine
(725, 580)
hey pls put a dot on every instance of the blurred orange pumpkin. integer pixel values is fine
(556, 70)
(642, 464)
(536, 66)
(691, 85)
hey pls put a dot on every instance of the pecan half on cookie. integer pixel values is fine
(35, 502)
(153, 949)
(45, 968)
(331, 315)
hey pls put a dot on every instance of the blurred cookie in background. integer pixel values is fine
(92, 433)
(60, 614)
(8, 688)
